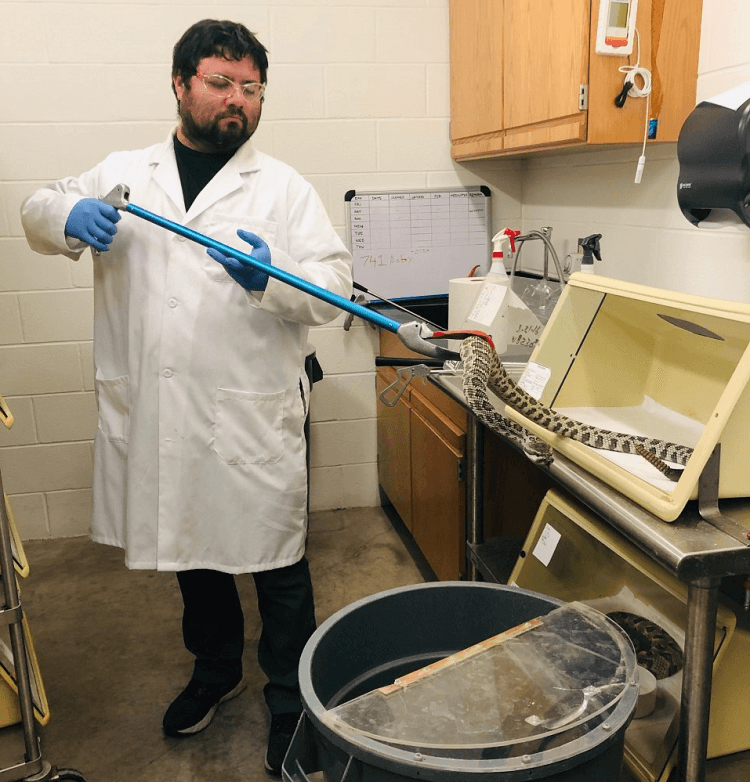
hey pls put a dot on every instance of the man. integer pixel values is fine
(200, 453)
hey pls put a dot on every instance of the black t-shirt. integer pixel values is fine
(197, 169)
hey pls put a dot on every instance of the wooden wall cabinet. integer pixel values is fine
(525, 75)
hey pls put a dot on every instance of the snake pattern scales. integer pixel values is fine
(483, 369)
(655, 649)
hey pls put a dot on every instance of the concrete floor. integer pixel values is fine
(108, 641)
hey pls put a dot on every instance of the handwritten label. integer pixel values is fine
(487, 304)
(525, 327)
(534, 379)
(526, 336)
(546, 545)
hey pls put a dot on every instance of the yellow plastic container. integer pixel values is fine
(645, 361)
(572, 555)
(20, 562)
(10, 712)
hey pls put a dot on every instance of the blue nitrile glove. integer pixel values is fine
(92, 221)
(247, 276)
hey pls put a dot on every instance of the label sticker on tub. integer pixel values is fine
(546, 545)
(534, 379)
(488, 303)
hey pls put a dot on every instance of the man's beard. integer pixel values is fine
(211, 135)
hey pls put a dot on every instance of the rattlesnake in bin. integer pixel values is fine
(483, 369)
(655, 649)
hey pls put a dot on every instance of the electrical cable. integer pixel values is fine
(630, 88)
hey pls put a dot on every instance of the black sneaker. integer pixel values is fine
(279, 739)
(194, 708)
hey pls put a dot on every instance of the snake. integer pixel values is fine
(655, 649)
(483, 369)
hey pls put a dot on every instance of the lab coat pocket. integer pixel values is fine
(248, 428)
(113, 399)
(223, 227)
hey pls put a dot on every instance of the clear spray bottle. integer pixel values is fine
(489, 313)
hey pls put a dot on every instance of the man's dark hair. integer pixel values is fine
(213, 38)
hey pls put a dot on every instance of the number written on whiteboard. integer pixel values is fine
(386, 259)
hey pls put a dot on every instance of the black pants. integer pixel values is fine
(213, 628)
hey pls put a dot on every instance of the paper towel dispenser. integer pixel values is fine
(712, 149)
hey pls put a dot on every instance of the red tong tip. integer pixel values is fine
(462, 335)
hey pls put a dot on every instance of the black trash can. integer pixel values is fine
(350, 661)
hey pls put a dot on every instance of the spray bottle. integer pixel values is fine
(589, 249)
(489, 313)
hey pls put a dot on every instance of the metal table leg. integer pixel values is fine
(474, 492)
(703, 599)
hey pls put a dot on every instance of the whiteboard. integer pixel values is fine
(410, 243)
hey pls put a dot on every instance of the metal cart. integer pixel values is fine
(33, 768)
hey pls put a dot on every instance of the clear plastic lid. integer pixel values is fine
(544, 677)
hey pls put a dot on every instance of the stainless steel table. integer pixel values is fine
(701, 547)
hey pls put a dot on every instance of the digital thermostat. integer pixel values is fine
(616, 29)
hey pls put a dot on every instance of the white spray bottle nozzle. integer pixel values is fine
(504, 242)
(503, 245)
(500, 246)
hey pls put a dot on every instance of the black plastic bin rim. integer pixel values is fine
(393, 758)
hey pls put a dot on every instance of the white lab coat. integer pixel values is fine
(200, 453)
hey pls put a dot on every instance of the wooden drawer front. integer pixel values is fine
(390, 345)
(441, 400)
(453, 435)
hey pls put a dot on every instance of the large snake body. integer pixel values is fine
(483, 369)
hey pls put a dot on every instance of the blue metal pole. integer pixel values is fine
(290, 279)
